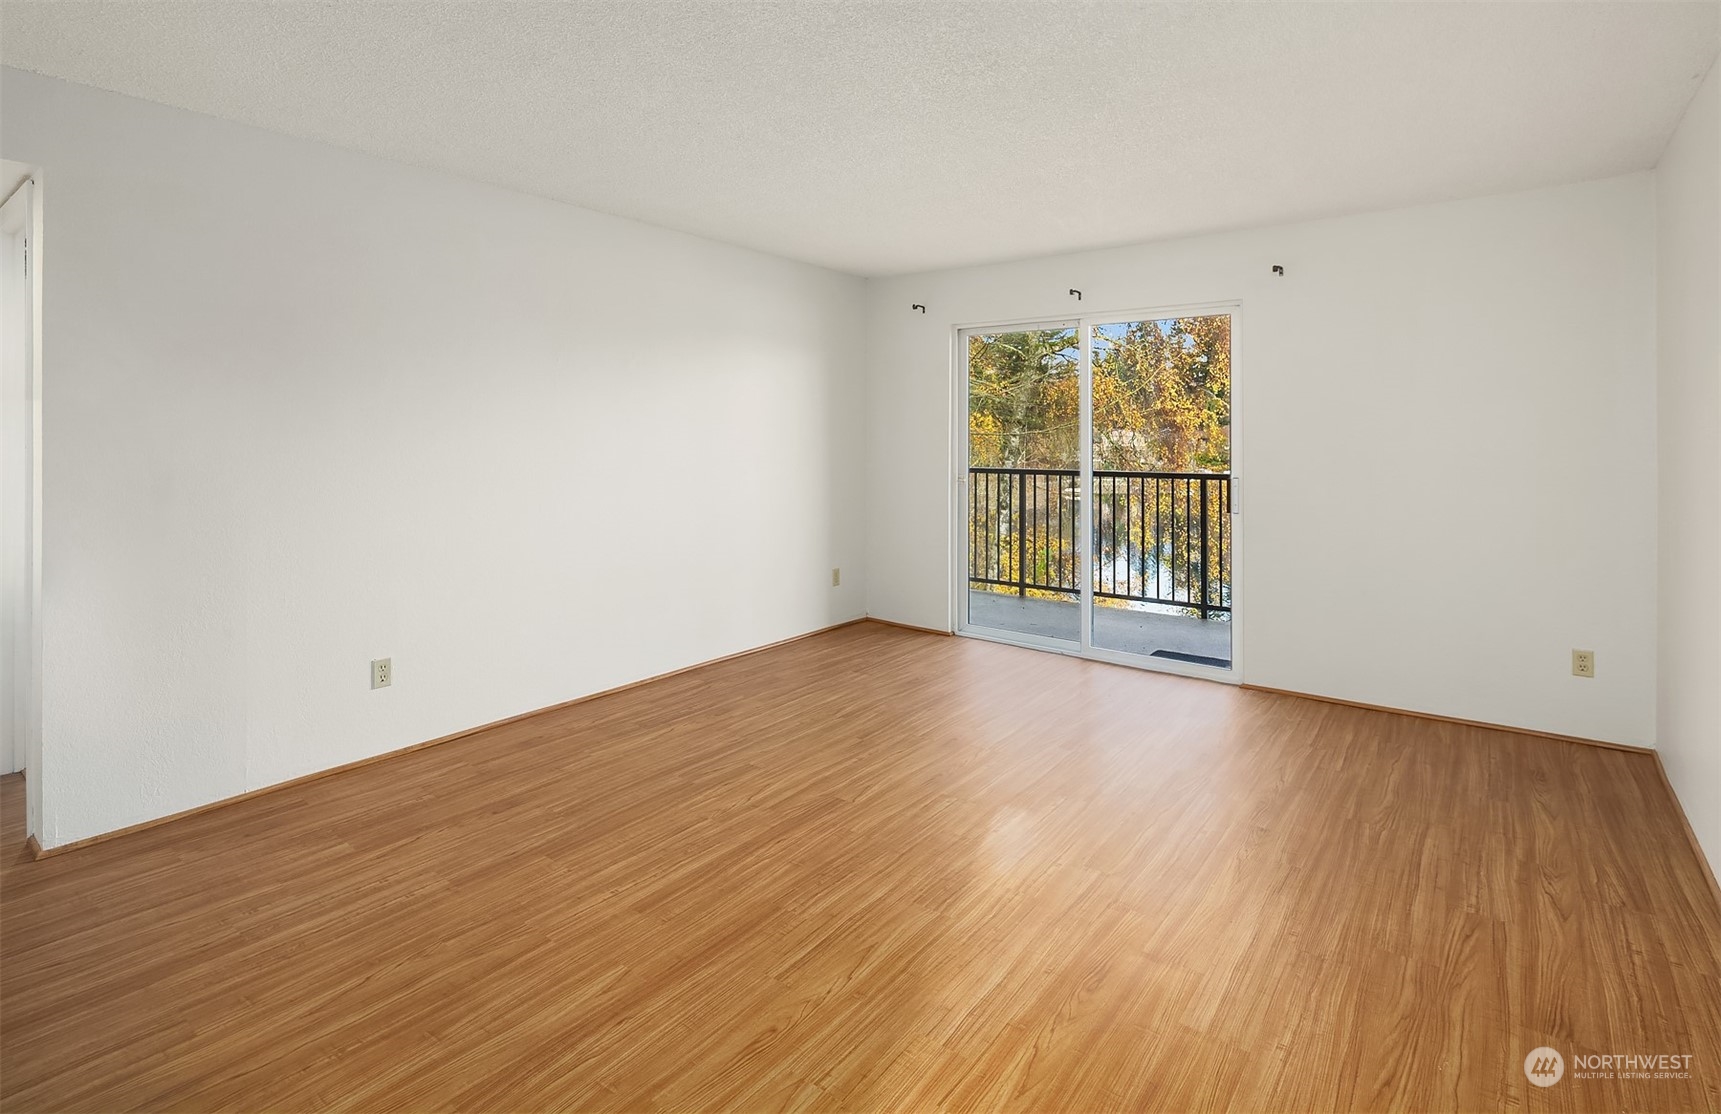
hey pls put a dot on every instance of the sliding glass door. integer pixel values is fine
(1096, 514)
(1161, 442)
(1024, 482)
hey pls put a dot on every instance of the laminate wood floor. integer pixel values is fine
(880, 870)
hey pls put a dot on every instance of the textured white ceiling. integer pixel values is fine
(891, 137)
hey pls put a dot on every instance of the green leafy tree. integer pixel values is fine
(1024, 396)
(1162, 395)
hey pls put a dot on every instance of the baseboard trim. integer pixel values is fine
(38, 852)
(1453, 720)
(1690, 832)
(907, 626)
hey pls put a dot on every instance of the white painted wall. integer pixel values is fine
(305, 408)
(1464, 394)
(1688, 238)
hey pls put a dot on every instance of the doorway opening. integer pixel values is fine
(1097, 516)
(20, 492)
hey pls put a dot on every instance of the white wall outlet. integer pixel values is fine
(836, 578)
(1583, 663)
(381, 673)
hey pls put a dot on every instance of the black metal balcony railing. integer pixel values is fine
(1160, 537)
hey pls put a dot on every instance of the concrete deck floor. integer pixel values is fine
(1115, 628)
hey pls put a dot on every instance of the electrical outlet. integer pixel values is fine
(1583, 663)
(381, 673)
(836, 578)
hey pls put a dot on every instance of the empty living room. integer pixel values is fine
(886, 556)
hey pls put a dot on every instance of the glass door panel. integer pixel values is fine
(1161, 445)
(1023, 505)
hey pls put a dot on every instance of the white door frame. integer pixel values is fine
(21, 217)
(1084, 324)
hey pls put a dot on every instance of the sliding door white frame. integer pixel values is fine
(1084, 534)
(959, 503)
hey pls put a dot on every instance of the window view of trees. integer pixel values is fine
(1161, 420)
(1162, 397)
(1024, 399)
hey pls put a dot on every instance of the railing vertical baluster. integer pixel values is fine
(1074, 508)
(1109, 556)
(1179, 548)
(1171, 516)
(1095, 537)
(1188, 543)
(1037, 551)
(1158, 536)
(1183, 551)
(1021, 538)
(1028, 530)
(1096, 555)
(974, 508)
(1095, 494)
(1128, 574)
(1067, 560)
(991, 556)
(1169, 541)
(995, 555)
(1171, 522)
(1203, 484)
(997, 558)
(1225, 539)
(1145, 551)
(1183, 554)
(1141, 527)
(988, 525)
(1120, 535)
(1139, 503)
(1036, 484)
